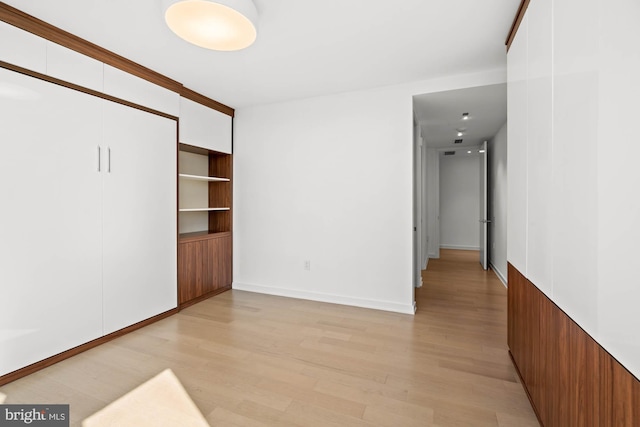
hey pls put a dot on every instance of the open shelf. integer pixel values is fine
(205, 191)
(203, 178)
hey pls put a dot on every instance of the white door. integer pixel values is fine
(140, 223)
(50, 221)
(483, 207)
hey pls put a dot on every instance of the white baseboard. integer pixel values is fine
(334, 299)
(499, 274)
(460, 247)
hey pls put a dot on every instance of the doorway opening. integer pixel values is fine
(460, 175)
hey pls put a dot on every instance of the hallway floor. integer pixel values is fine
(248, 359)
(467, 310)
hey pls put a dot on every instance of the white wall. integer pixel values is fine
(573, 220)
(329, 179)
(497, 203)
(459, 201)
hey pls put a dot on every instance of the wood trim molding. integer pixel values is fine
(207, 102)
(40, 28)
(83, 89)
(524, 4)
(27, 370)
(569, 378)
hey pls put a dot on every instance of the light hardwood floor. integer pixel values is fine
(256, 360)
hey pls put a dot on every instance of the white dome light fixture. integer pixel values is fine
(224, 25)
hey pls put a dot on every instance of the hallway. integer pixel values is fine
(465, 311)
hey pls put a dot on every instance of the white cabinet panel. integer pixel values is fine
(575, 135)
(74, 67)
(204, 127)
(140, 235)
(50, 221)
(539, 145)
(139, 91)
(517, 150)
(22, 48)
(618, 175)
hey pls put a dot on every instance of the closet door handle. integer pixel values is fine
(99, 160)
(109, 159)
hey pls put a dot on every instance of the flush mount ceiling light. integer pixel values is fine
(218, 25)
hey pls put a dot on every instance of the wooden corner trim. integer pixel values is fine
(206, 101)
(524, 4)
(43, 29)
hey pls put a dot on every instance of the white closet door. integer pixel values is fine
(140, 236)
(50, 221)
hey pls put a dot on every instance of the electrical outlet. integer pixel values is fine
(307, 265)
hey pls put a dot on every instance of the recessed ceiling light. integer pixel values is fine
(468, 152)
(465, 116)
(224, 25)
(481, 151)
(460, 133)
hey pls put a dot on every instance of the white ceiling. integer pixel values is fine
(440, 115)
(304, 47)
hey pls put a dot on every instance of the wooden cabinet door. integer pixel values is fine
(219, 262)
(140, 224)
(191, 271)
(204, 266)
(50, 221)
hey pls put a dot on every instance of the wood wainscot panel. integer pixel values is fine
(569, 378)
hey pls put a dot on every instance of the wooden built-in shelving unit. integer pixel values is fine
(205, 212)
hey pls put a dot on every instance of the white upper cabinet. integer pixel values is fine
(22, 48)
(139, 91)
(204, 127)
(71, 66)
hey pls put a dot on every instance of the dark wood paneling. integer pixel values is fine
(27, 370)
(569, 378)
(524, 4)
(204, 266)
(220, 193)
